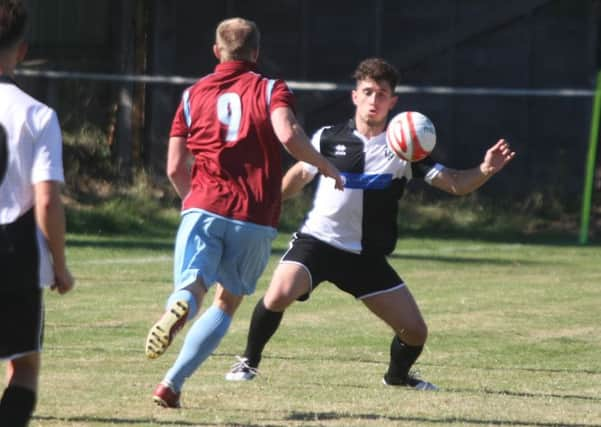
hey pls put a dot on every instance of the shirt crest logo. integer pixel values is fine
(340, 150)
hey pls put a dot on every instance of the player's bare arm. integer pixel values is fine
(50, 217)
(295, 179)
(295, 141)
(177, 166)
(461, 182)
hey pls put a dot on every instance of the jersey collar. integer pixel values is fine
(352, 125)
(233, 66)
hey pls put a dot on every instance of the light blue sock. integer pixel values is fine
(184, 295)
(203, 337)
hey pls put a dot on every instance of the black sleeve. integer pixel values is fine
(420, 169)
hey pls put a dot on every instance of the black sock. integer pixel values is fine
(16, 406)
(402, 357)
(263, 325)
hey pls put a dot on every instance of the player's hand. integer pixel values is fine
(331, 171)
(63, 281)
(496, 158)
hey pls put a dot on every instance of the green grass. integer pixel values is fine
(515, 338)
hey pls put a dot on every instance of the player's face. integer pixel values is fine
(373, 100)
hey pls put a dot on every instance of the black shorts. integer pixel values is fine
(22, 320)
(19, 257)
(21, 308)
(361, 275)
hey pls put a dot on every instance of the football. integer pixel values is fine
(411, 136)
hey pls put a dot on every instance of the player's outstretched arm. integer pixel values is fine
(497, 157)
(50, 217)
(461, 182)
(293, 138)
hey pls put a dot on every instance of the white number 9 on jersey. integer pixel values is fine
(229, 111)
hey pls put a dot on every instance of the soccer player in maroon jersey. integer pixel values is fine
(224, 161)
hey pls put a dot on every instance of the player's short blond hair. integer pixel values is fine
(237, 39)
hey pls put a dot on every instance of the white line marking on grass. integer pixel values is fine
(459, 249)
(143, 260)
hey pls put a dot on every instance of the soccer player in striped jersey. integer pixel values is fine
(347, 235)
(32, 222)
(230, 127)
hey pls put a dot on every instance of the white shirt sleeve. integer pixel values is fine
(48, 148)
(315, 142)
(433, 173)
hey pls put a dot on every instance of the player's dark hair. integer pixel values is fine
(378, 70)
(13, 18)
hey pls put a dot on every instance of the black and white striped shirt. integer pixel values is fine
(363, 217)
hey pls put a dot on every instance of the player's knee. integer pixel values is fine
(415, 334)
(227, 301)
(24, 370)
(278, 301)
(198, 289)
(422, 332)
(30, 362)
(282, 293)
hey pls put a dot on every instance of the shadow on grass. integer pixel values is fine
(279, 250)
(345, 358)
(479, 392)
(315, 417)
(125, 218)
(141, 218)
(527, 394)
(116, 420)
(322, 416)
(142, 421)
(166, 243)
(120, 218)
(482, 235)
(464, 259)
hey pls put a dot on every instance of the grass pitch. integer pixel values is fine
(515, 340)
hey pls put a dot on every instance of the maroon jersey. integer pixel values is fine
(225, 118)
